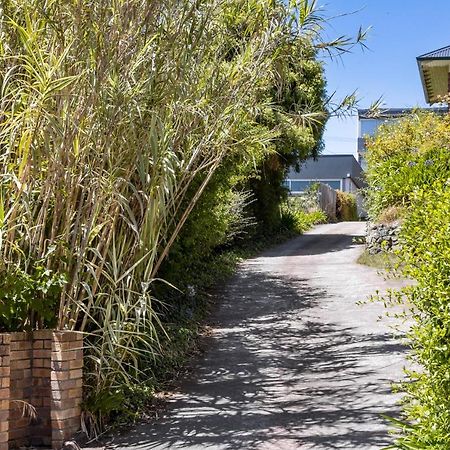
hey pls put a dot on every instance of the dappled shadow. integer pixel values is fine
(315, 244)
(276, 376)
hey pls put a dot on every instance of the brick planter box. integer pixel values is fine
(42, 369)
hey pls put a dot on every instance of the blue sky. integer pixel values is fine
(401, 30)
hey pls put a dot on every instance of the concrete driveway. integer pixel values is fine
(293, 362)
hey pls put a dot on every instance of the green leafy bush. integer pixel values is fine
(294, 218)
(407, 155)
(346, 209)
(426, 259)
(409, 177)
(28, 299)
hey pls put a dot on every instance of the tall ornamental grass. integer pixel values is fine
(115, 115)
(109, 110)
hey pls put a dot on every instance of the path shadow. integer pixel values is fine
(314, 244)
(275, 376)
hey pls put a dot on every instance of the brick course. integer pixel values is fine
(40, 369)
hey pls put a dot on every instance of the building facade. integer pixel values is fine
(340, 172)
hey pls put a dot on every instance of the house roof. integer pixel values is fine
(329, 167)
(434, 69)
(443, 52)
(387, 113)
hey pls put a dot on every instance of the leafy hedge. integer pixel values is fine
(346, 209)
(301, 221)
(409, 168)
(426, 259)
(405, 156)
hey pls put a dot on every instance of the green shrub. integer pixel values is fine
(409, 174)
(405, 156)
(426, 258)
(346, 209)
(297, 220)
(28, 300)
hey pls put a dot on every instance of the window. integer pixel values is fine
(370, 126)
(303, 185)
(299, 185)
(334, 184)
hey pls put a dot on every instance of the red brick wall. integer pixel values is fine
(42, 369)
(21, 386)
(40, 428)
(66, 385)
(4, 389)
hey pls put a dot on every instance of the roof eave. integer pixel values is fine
(358, 182)
(433, 58)
(422, 79)
(428, 73)
(440, 53)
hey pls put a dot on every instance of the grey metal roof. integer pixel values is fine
(397, 112)
(329, 167)
(440, 53)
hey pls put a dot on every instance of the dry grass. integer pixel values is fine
(383, 260)
(391, 214)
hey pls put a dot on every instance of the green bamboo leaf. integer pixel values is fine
(23, 151)
(2, 210)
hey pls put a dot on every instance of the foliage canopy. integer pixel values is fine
(132, 134)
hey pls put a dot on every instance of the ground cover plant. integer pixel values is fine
(137, 138)
(300, 213)
(382, 260)
(409, 171)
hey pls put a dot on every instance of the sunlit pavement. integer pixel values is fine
(293, 362)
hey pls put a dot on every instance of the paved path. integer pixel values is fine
(293, 362)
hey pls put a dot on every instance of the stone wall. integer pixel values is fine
(40, 388)
(382, 237)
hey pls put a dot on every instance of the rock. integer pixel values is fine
(381, 237)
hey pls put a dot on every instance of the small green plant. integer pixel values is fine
(382, 260)
(28, 299)
(294, 218)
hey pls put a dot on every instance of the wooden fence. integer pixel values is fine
(327, 200)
